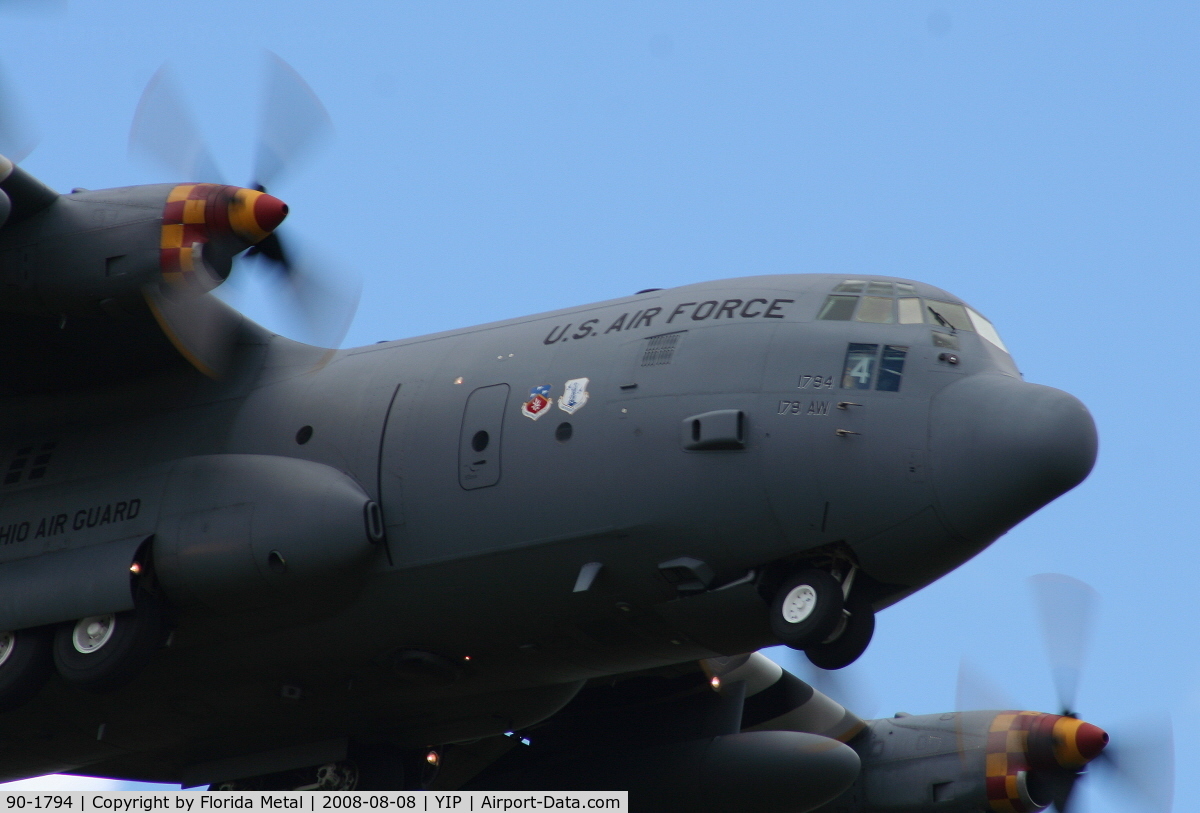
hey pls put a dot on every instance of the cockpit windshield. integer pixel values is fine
(897, 303)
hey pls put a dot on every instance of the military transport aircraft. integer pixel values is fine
(226, 555)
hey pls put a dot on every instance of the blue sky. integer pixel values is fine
(1038, 159)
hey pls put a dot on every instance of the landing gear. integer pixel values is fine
(849, 639)
(807, 608)
(25, 664)
(822, 614)
(104, 652)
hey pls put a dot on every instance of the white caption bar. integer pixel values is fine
(133, 801)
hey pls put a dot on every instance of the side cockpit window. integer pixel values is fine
(947, 314)
(838, 308)
(986, 329)
(867, 367)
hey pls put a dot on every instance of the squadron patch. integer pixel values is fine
(538, 403)
(575, 396)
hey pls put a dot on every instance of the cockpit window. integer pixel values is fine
(947, 314)
(875, 309)
(986, 329)
(838, 308)
(862, 362)
(860, 366)
(909, 308)
(891, 368)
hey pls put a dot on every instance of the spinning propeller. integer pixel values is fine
(292, 122)
(1059, 747)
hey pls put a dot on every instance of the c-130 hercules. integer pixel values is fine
(226, 555)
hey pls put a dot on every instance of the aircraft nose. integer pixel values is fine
(1001, 448)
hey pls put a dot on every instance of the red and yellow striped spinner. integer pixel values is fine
(1023, 741)
(195, 213)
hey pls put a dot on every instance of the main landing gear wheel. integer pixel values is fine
(105, 652)
(25, 664)
(851, 640)
(806, 608)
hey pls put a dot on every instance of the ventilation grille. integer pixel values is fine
(660, 349)
(29, 463)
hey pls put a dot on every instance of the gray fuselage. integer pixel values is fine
(723, 423)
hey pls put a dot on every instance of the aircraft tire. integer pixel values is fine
(806, 608)
(25, 664)
(102, 653)
(853, 640)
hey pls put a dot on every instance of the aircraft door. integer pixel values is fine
(479, 439)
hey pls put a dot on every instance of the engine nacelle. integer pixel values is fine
(965, 762)
(89, 251)
(238, 532)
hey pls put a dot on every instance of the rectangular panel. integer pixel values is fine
(479, 440)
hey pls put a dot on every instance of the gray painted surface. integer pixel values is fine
(907, 483)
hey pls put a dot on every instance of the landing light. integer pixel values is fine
(433, 758)
(715, 683)
(135, 568)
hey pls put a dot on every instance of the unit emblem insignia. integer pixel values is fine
(575, 397)
(538, 403)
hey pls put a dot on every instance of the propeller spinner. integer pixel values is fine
(205, 225)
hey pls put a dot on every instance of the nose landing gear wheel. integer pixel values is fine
(105, 652)
(806, 609)
(851, 641)
(25, 664)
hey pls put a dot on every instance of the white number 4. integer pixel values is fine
(862, 370)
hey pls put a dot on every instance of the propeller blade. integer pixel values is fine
(202, 328)
(320, 297)
(1066, 609)
(1141, 757)
(975, 691)
(293, 122)
(270, 248)
(1061, 787)
(17, 136)
(163, 131)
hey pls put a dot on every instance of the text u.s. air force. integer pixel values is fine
(683, 313)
